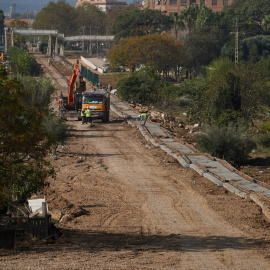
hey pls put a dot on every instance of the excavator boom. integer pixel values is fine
(75, 73)
(74, 99)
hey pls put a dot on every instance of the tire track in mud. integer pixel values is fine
(196, 228)
(125, 187)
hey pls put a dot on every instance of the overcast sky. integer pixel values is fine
(28, 5)
(33, 5)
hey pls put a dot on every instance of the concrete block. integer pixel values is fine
(235, 190)
(147, 138)
(265, 208)
(155, 143)
(197, 169)
(213, 179)
(182, 162)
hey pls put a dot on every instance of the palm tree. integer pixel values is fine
(190, 15)
(266, 21)
(205, 16)
(178, 23)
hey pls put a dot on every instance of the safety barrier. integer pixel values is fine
(89, 75)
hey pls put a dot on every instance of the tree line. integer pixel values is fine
(30, 130)
(228, 98)
(197, 46)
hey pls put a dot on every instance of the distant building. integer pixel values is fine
(176, 6)
(7, 15)
(104, 5)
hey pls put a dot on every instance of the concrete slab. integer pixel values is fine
(155, 130)
(178, 146)
(212, 165)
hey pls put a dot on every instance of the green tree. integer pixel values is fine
(57, 16)
(266, 21)
(2, 19)
(139, 23)
(41, 90)
(205, 16)
(90, 16)
(190, 15)
(251, 49)
(21, 62)
(162, 52)
(146, 87)
(115, 11)
(204, 45)
(230, 92)
(24, 143)
(248, 10)
(178, 23)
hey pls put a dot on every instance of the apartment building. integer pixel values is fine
(103, 5)
(172, 6)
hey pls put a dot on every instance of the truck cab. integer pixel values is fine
(98, 103)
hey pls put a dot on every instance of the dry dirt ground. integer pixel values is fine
(124, 204)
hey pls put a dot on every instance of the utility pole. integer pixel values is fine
(236, 46)
(97, 27)
(83, 40)
(90, 46)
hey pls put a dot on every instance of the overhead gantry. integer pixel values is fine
(56, 40)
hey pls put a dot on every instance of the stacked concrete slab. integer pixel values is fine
(218, 171)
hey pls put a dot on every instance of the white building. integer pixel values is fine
(104, 5)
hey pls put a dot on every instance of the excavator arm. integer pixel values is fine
(75, 73)
(73, 100)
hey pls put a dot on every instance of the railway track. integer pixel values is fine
(57, 77)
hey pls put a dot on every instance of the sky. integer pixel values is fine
(28, 5)
(33, 5)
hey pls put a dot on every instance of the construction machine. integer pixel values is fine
(71, 105)
(98, 102)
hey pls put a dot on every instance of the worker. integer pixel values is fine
(49, 61)
(88, 116)
(83, 115)
(143, 118)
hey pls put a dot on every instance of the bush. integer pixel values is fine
(265, 140)
(20, 61)
(57, 131)
(231, 142)
(146, 87)
(266, 126)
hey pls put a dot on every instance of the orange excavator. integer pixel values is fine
(71, 105)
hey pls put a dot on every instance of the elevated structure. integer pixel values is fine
(56, 40)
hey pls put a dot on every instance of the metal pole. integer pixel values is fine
(83, 41)
(90, 49)
(236, 45)
(97, 40)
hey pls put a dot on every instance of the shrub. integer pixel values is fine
(266, 126)
(231, 142)
(146, 87)
(57, 131)
(265, 140)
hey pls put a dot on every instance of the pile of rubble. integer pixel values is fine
(163, 118)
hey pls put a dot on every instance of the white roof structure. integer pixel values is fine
(104, 5)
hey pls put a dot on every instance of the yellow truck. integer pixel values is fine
(99, 104)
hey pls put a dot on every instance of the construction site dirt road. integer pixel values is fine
(125, 204)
